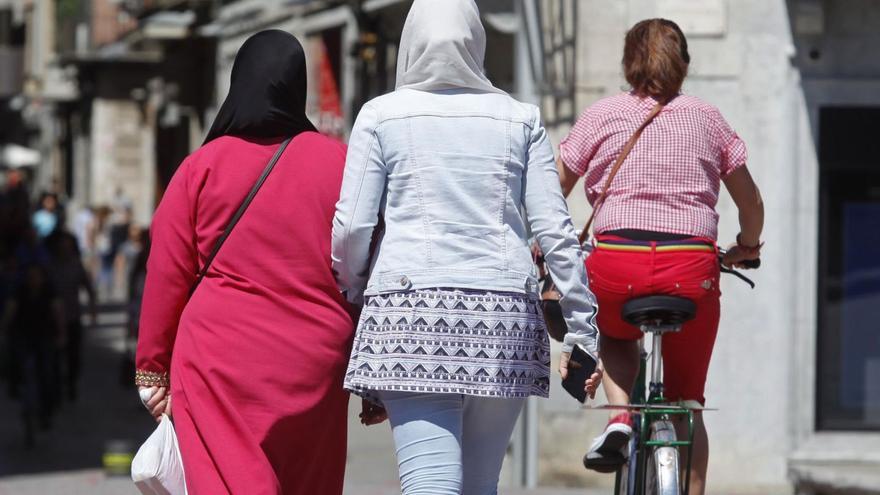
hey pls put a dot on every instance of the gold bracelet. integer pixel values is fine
(144, 378)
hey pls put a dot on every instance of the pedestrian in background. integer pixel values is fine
(29, 250)
(120, 233)
(137, 279)
(85, 225)
(46, 218)
(15, 209)
(103, 253)
(127, 255)
(8, 371)
(256, 355)
(69, 277)
(664, 196)
(121, 210)
(33, 319)
(452, 340)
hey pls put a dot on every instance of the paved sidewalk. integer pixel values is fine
(93, 482)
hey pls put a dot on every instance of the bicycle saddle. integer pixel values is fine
(658, 310)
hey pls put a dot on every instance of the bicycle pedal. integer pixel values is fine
(604, 462)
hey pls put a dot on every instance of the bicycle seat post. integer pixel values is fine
(657, 329)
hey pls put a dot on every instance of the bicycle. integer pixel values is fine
(653, 466)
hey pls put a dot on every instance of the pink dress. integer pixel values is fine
(260, 351)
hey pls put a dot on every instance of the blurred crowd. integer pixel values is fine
(55, 268)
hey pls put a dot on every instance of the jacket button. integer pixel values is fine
(404, 281)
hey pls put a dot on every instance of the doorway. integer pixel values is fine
(848, 350)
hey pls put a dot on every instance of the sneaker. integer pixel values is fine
(609, 450)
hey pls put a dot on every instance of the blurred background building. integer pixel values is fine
(101, 99)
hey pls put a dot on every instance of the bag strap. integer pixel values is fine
(614, 168)
(239, 213)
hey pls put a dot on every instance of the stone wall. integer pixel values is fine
(122, 156)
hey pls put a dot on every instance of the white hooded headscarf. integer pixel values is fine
(443, 46)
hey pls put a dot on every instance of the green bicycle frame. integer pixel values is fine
(655, 408)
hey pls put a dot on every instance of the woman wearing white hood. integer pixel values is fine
(451, 339)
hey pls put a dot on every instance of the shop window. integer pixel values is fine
(324, 100)
(848, 350)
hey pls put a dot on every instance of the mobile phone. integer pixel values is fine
(580, 367)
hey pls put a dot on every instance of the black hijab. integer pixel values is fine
(267, 94)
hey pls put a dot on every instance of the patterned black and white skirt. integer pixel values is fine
(491, 344)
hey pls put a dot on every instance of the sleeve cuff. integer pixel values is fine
(586, 342)
(568, 161)
(735, 156)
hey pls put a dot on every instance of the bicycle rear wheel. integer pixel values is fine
(662, 468)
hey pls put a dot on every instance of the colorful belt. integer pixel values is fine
(658, 246)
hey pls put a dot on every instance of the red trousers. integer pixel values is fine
(618, 275)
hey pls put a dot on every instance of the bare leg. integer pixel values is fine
(621, 361)
(700, 458)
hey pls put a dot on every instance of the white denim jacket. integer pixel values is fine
(461, 179)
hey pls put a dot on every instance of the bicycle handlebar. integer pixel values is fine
(752, 264)
(746, 264)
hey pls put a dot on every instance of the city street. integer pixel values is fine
(744, 124)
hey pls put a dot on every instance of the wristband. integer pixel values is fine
(750, 250)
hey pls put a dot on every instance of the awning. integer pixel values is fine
(504, 22)
(167, 25)
(17, 8)
(17, 156)
(119, 52)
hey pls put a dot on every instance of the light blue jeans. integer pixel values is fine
(450, 444)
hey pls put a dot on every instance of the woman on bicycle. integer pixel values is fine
(656, 229)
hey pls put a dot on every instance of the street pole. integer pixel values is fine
(525, 444)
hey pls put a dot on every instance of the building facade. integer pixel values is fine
(12, 40)
(795, 379)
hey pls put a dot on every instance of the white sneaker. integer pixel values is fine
(610, 449)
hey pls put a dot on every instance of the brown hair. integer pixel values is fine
(655, 59)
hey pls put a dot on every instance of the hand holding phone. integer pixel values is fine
(581, 367)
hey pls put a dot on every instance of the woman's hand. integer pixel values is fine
(736, 255)
(564, 358)
(371, 414)
(592, 383)
(157, 400)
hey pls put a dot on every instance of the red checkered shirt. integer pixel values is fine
(671, 178)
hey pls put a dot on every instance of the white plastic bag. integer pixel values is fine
(157, 468)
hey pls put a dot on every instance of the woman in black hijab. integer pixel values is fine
(267, 94)
(255, 358)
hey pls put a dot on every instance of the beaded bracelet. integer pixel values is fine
(144, 378)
